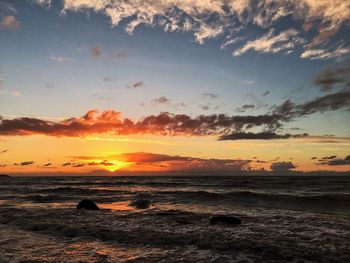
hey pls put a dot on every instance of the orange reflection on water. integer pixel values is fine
(120, 206)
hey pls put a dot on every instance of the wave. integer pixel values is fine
(325, 202)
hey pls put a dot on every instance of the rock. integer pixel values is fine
(229, 220)
(141, 203)
(4, 176)
(87, 204)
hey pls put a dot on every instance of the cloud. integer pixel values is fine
(146, 161)
(266, 93)
(331, 102)
(272, 43)
(60, 59)
(120, 55)
(259, 136)
(329, 157)
(333, 160)
(245, 108)
(47, 164)
(161, 100)
(135, 85)
(46, 3)
(231, 20)
(339, 52)
(10, 23)
(96, 52)
(26, 163)
(282, 166)
(4, 151)
(111, 121)
(334, 77)
(7, 8)
(174, 124)
(210, 96)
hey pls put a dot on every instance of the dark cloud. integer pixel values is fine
(282, 166)
(107, 79)
(49, 85)
(329, 157)
(160, 100)
(205, 107)
(266, 93)
(172, 162)
(135, 85)
(96, 52)
(26, 163)
(78, 165)
(245, 108)
(259, 136)
(176, 124)
(334, 77)
(4, 151)
(336, 101)
(104, 163)
(47, 164)
(66, 164)
(209, 95)
(334, 161)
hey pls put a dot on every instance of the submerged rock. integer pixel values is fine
(141, 204)
(87, 204)
(229, 220)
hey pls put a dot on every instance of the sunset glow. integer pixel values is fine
(110, 88)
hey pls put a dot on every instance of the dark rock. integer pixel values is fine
(141, 204)
(87, 204)
(229, 220)
(4, 176)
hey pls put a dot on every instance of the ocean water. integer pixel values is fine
(284, 219)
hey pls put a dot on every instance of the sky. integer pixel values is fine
(174, 87)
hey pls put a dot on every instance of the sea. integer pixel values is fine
(283, 219)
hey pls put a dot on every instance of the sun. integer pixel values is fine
(114, 165)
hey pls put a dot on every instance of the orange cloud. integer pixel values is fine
(143, 161)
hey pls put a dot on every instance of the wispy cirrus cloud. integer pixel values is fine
(272, 42)
(231, 21)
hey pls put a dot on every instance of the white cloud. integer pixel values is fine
(43, 2)
(208, 19)
(272, 43)
(60, 59)
(325, 54)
